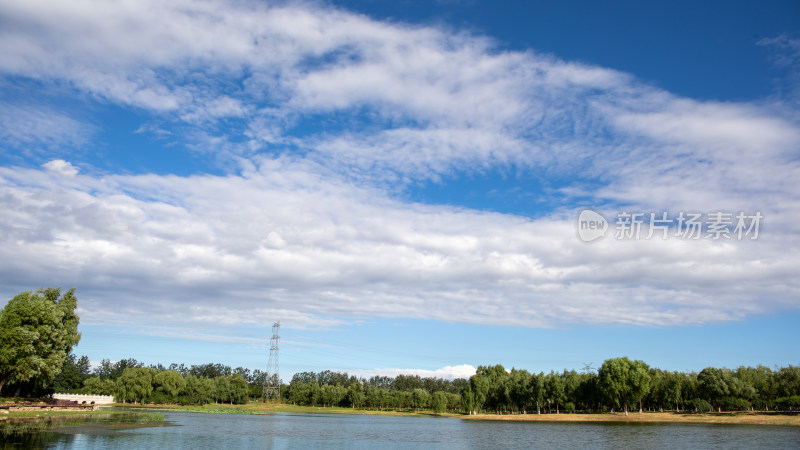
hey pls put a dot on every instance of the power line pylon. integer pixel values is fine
(272, 381)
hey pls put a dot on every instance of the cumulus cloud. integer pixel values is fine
(447, 372)
(61, 167)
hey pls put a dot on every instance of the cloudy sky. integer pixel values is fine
(399, 184)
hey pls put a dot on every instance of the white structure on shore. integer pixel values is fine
(86, 398)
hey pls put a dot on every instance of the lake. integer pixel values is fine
(234, 431)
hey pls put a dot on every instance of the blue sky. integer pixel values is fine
(399, 182)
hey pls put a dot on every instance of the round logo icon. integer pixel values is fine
(591, 225)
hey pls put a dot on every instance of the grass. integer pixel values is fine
(271, 408)
(26, 422)
(43, 413)
(744, 418)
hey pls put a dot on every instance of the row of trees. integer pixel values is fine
(621, 384)
(373, 398)
(398, 383)
(38, 330)
(130, 381)
(148, 385)
(329, 389)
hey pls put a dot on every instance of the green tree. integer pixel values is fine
(491, 388)
(332, 395)
(135, 384)
(536, 388)
(355, 395)
(468, 399)
(96, 386)
(453, 401)
(763, 381)
(639, 379)
(112, 370)
(588, 394)
(238, 389)
(520, 389)
(222, 389)
(714, 385)
(73, 373)
(198, 390)
(624, 381)
(572, 382)
(555, 390)
(674, 388)
(37, 331)
(210, 370)
(788, 381)
(419, 398)
(438, 402)
(480, 390)
(170, 382)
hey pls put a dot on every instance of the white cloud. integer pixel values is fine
(283, 240)
(447, 372)
(61, 167)
(316, 236)
(37, 128)
(786, 56)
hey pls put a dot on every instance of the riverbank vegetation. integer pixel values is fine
(620, 384)
(26, 423)
(273, 407)
(39, 328)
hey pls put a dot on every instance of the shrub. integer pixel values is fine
(734, 404)
(700, 405)
(788, 403)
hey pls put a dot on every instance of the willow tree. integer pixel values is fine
(37, 331)
(624, 381)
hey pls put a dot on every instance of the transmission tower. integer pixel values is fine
(272, 382)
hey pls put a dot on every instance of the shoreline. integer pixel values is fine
(258, 408)
(725, 418)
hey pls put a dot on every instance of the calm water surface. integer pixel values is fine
(233, 431)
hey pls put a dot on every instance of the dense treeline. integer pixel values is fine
(404, 392)
(39, 328)
(621, 384)
(130, 381)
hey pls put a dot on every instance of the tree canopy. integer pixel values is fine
(624, 381)
(37, 331)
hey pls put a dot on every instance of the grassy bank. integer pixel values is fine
(740, 418)
(743, 418)
(271, 408)
(44, 414)
(21, 423)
